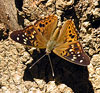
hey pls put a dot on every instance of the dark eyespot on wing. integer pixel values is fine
(72, 36)
(28, 32)
(40, 25)
(49, 20)
(46, 23)
(70, 31)
(76, 49)
(43, 25)
(39, 29)
(70, 41)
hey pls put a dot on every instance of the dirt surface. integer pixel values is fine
(15, 59)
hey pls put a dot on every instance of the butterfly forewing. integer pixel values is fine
(47, 26)
(29, 36)
(72, 52)
(68, 32)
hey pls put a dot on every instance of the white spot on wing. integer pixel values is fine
(22, 35)
(72, 59)
(78, 52)
(24, 42)
(79, 55)
(18, 38)
(32, 36)
(29, 37)
(70, 50)
(81, 61)
(34, 32)
(72, 53)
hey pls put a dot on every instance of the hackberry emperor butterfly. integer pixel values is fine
(63, 41)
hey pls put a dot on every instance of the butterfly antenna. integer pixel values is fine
(37, 61)
(51, 65)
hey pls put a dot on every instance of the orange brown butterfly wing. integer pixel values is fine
(29, 36)
(47, 26)
(68, 47)
(68, 32)
(72, 52)
(36, 35)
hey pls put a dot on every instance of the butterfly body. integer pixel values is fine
(63, 41)
(52, 43)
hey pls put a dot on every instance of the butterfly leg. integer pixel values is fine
(51, 66)
(37, 61)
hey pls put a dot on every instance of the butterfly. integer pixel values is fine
(63, 41)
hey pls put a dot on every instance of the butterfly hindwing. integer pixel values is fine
(29, 36)
(72, 52)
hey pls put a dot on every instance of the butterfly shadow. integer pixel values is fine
(74, 76)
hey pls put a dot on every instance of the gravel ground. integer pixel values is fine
(15, 59)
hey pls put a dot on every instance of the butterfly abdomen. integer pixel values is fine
(50, 46)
